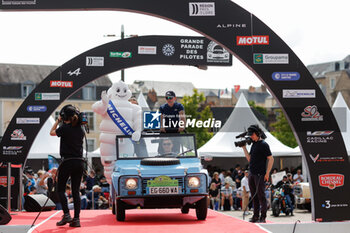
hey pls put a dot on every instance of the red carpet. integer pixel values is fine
(141, 221)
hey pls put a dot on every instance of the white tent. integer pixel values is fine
(142, 102)
(222, 144)
(342, 114)
(44, 144)
(94, 154)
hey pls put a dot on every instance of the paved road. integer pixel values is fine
(302, 215)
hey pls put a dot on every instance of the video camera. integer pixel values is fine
(69, 111)
(246, 136)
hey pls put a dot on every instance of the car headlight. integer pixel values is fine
(193, 182)
(131, 183)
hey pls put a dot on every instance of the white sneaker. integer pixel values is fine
(222, 208)
(232, 208)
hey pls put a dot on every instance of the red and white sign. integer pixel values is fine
(253, 40)
(68, 84)
(331, 180)
(3, 181)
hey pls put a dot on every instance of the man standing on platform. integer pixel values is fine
(173, 118)
(259, 154)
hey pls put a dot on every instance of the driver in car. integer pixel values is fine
(167, 147)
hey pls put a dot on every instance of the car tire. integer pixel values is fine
(160, 161)
(120, 211)
(202, 209)
(185, 209)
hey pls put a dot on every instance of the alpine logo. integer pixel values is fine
(75, 72)
(202, 8)
(253, 40)
(331, 180)
(68, 84)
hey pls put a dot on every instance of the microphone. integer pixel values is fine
(241, 135)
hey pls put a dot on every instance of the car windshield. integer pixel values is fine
(164, 145)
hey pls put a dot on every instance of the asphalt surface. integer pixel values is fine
(301, 215)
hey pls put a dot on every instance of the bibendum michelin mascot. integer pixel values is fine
(119, 117)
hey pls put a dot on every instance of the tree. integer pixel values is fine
(282, 130)
(258, 108)
(191, 105)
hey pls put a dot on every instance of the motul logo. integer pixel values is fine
(331, 181)
(253, 40)
(61, 84)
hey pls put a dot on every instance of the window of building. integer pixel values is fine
(91, 120)
(26, 88)
(90, 145)
(89, 92)
(332, 83)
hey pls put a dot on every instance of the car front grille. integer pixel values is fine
(298, 190)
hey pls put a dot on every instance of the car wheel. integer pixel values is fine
(275, 208)
(202, 209)
(185, 209)
(120, 211)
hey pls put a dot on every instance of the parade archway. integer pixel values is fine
(276, 65)
(89, 66)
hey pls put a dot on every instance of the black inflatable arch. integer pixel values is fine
(270, 58)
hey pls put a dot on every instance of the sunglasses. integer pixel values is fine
(169, 97)
(167, 144)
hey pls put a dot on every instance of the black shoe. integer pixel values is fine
(262, 220)
(253, 219)
(66, 218)
(291, 214)
(75, 222)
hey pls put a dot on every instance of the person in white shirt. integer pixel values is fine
(226, 193)
(222, 177)
(298, 177)
(245, 192)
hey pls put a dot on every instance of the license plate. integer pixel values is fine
(163, 190)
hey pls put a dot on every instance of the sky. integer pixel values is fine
(316, 30)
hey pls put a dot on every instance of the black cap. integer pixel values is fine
(170, 93)
(253, 129)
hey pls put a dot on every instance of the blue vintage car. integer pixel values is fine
(159, 171)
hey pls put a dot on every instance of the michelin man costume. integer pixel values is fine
(116, 100)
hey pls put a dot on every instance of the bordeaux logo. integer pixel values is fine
(331, 181)
(168, 50)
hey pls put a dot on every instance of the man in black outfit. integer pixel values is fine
(259, 154)
(71, 150)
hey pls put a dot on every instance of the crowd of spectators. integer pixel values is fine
(94, 190)
(229, 189)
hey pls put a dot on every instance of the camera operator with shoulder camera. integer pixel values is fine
(259, 154)
(71, 151)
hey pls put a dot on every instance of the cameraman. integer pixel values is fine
(71, 150)
(259, 154)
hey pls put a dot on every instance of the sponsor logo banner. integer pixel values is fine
(3, 181)
(32, 120)
(120, 54)
(151, 120)
(319, 136)
(318, 158)
(192, 49)
(17, 135)
(74, 72)
(95, 61)
(14, 2)
(327, 204)
(47, 96)
(268, 58)
(217, 54)
(202, 8)
(168, 50)
(285, 76)
(64, 84)
(311, 114)
(231, 25)
(299, 94)
(253, 40)
(331, 180)
(36, 108)
(11, 150)
(152, 50)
